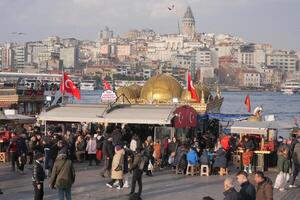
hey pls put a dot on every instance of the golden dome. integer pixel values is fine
(136, 90)
(161, 88)
(126, 91)
(199, 87)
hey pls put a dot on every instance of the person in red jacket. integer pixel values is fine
(225, 142)
(13, 151)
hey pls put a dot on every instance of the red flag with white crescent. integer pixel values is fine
(191, 88)
(68, 86)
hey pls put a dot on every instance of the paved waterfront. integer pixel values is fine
(90, 186)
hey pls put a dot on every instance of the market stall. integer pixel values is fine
(264, 134)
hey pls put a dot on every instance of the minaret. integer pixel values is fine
(188, 24)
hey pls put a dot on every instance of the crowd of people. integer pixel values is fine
(124, 152)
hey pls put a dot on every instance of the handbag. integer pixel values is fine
(281, 180)
(118, 168)
(150, 166)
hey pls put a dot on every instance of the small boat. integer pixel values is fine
(290, 87)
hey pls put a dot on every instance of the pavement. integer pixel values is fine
(164, 185)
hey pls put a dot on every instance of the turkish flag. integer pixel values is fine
(191, 87)
(106, 85)
(247, 103)
(68, 86)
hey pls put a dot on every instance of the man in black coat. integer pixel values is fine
(137, 168)
(230, 192)
(247, 191)
(38, 177)
(108, 154)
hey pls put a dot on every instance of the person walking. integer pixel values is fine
(230, 193)
(247, 191)
(117, 168)
(38, 177)
(80, 147)
(296, 162)
(63, 175)
(108, 153)
(13, 151)
(137, 169)
(264, 186)
(283, 169)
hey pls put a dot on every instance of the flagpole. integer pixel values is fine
(63, 85)
(186, 82)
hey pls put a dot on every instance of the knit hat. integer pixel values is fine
(118, 147)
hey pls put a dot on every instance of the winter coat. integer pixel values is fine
(116, 137)
(99, 142)
(282, 164)
(192, 157)
(296, 154)
(232, 194)
(247, 191)
(182, 165)
(108, 149)
(38, 175)
(204, 160)
(172, 147)
(63, 173)
(118, 159)
(220, 159)
(265, 190)
(91, 147)
(225, 143)
(249, 145)
(157, 151)
(81, 146)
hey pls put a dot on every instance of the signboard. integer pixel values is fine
(186, 117)
(108, 96)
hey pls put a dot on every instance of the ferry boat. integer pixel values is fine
(88, 85)
(290, 87)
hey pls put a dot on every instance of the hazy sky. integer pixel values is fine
(262, 21)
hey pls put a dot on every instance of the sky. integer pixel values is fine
(262, 21)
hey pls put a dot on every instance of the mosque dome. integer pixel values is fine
(127, 92)
(162, 88)
(136, 89)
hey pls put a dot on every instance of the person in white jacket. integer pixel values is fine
(91, 149)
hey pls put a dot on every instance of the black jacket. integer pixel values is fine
(232, 194)
(248, 191)
(38, 174)
(108, 149)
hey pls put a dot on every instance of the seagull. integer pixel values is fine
(18, 33)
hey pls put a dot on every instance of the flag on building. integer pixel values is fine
(247, 103)
(191, 87)
(67, 86)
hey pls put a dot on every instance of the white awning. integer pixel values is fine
(259, 127)
(141, 114)
(74, 113)
(120, 113)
